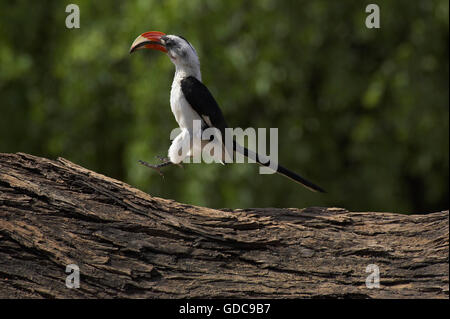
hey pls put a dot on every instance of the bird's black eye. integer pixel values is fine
(168, 42)
(164, 40)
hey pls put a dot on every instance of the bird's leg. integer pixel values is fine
(164, 159)
(157, 167)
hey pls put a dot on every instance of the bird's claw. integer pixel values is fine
(163, 159)
(155, 167)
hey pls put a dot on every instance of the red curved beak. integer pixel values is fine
(149, 40)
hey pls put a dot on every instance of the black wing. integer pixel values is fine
(202, 101)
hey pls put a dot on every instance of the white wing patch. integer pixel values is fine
(207, 120)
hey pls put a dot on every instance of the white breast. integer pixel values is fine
(181, 109)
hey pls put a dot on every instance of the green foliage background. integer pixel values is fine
(361, 112)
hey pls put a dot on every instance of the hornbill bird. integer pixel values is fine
(191, 100)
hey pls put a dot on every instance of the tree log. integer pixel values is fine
(128, 244)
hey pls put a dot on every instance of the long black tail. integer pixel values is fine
(280, 169)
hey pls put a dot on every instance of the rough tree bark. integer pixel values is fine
(129, 244)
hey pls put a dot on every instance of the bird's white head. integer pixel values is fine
(179, 50)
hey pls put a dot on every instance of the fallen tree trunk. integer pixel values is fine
(128, 244)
